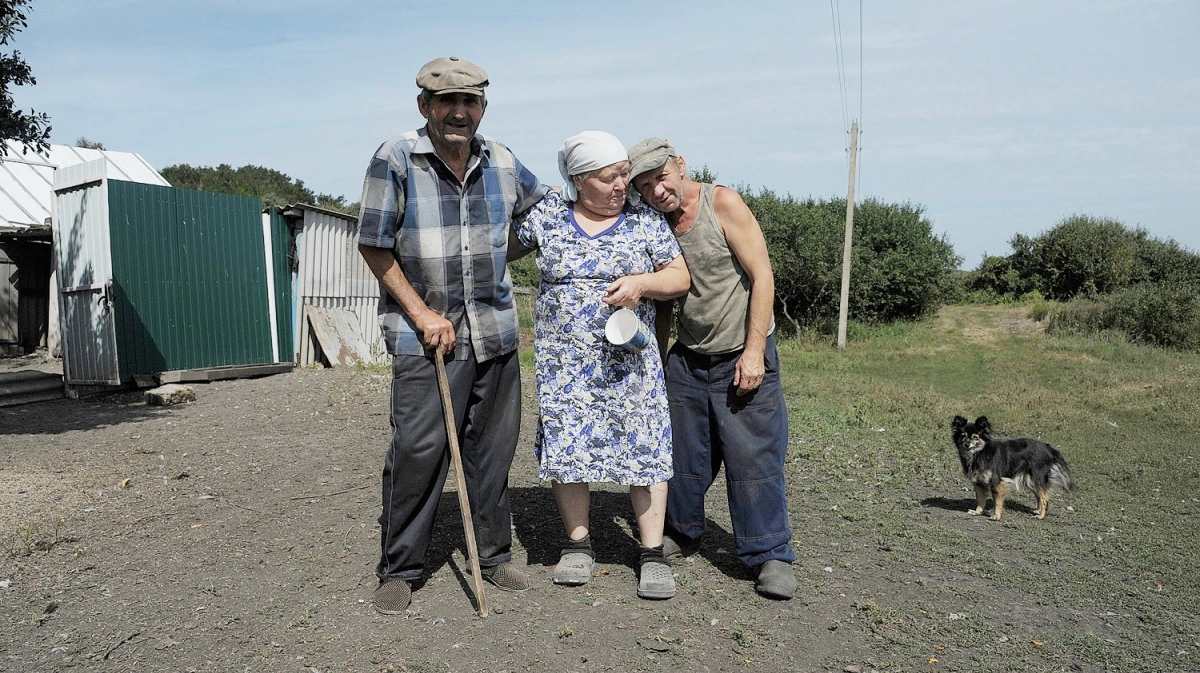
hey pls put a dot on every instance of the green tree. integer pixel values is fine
(86, 144)
(31, 129)
(899, 269)
(703, 175)
(273, 187)
(1084, 255)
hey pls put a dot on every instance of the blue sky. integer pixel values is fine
(997, 117)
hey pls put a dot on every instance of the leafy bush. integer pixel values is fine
(899, 269)
(1000, 278)
(804, 239)
(524, 272)
(1159, 314)
(1157, 261)
(1083, 256)
(1165, 315)
(1081, 316)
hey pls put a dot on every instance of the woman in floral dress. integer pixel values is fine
(603, 409)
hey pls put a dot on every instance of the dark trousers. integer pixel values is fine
(487, 410)
(712, 426)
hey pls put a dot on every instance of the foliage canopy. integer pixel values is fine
(273, 187)
(899, 269)
(31, 129)
(1084, 256)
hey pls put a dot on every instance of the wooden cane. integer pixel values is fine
(464, 502)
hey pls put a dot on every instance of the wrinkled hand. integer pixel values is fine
(437, 332)
(626, 291)
(748, 375)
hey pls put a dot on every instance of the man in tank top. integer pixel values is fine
(722, 374)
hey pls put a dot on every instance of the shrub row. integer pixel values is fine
(1083, 256)
(1159, 314)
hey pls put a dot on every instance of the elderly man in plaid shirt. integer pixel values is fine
(436, 208)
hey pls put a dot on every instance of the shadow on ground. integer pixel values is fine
(538, 530)
(55, 417)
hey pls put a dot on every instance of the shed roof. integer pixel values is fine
(26, 179)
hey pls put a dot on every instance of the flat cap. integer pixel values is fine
(649, 154)
(450, 74)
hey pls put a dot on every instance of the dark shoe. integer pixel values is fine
(392, 597)
(506, 576)
(574, 568)
(776, 579)
(673, 550)
(656, 581)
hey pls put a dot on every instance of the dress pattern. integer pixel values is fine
(603, 410)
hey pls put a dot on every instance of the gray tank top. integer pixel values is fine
(715, 313)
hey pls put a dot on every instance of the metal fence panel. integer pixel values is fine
(189, 270)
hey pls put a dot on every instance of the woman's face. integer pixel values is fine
(603, 191)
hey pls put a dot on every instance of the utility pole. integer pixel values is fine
(844, 309)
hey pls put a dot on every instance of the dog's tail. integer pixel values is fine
(1060, 474)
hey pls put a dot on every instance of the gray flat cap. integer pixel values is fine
(450, 74)
(649, 154)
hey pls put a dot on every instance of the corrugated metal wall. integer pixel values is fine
(332, 274)
(189, 272)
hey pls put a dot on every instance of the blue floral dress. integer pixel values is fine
(603, 410)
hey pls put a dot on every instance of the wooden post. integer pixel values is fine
(844, 308)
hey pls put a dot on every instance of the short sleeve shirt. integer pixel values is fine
(449, 238)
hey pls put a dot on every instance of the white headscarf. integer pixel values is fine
(585, 152)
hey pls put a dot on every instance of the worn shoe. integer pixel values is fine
(506, 576)
(776, 579)
(392, 597)
(673, 550)
(656, 581)
(574, 568)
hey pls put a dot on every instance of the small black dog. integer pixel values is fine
(999, 465)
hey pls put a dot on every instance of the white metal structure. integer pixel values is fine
(26, 197)
(331, 274)
(26, 179)
(83, 256)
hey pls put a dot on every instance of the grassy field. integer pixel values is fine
(872, 469)
(874, 465)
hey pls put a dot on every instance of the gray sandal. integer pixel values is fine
(656, 581)
(573, 569)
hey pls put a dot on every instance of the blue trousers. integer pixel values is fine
(713, 426)
(487, 410)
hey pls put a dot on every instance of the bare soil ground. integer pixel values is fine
(239, 533)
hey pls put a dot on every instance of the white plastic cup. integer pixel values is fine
(624, 329)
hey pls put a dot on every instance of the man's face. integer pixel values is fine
(662, 188)
(452, 118)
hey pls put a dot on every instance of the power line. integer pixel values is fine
(860, 62)
(841, 69)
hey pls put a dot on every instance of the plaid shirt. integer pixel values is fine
(450, 239)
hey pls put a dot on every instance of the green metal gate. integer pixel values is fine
(190, 287)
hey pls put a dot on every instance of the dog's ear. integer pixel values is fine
(982, 424)
(958, 423)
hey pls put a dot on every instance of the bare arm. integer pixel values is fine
(435, 330)
(666, 282)
(746, 241)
